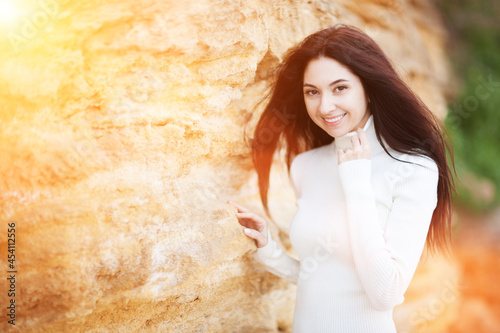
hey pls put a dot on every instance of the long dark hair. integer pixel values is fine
(400, 117)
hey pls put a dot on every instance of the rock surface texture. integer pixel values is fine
(122, 136)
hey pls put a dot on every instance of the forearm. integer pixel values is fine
(277, 261)
(385, 259)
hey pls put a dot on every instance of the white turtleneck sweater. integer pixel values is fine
(359, 232)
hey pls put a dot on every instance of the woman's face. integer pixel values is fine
(334, 97)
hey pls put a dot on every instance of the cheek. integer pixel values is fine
(357, 104)
(363, 107)
(310, 106)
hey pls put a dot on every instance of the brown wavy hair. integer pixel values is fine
(400, 117)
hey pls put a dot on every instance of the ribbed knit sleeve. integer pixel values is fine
(386, 260)
(278, 261)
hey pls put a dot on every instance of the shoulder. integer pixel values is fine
(415, 174)
(418, 161)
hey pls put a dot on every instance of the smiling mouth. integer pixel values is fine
(334, 120)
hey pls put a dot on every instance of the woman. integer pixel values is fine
(370, 175)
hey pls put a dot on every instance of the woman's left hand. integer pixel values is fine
(360, 148)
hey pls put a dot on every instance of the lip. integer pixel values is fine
(335, 123)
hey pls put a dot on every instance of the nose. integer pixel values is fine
(327, 104)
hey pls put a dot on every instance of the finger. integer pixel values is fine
(250, 216)
(251, 220)
(340, 156)
(257, 236)
(355, 142)
(240, 208)
(363, 139)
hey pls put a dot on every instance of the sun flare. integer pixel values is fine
(8, 11)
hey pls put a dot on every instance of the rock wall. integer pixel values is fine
(122, 137)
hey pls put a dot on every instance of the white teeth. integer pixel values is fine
(332, 120)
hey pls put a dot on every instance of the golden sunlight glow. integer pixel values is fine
(8, 11)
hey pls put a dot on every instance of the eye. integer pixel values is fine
(340, 88)
(311, 92)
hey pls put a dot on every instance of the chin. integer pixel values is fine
(336, 133)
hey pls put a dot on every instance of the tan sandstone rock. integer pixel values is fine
(122, 137)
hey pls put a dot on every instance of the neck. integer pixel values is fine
(344, 142)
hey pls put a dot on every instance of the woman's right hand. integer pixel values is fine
(255, 225)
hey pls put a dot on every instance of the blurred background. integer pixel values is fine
(473, 116)
(473, 121)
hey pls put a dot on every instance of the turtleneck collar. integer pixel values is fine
(344, 141)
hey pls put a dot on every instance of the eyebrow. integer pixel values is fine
(331, 84)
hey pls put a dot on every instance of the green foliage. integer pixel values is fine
(474, 115)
